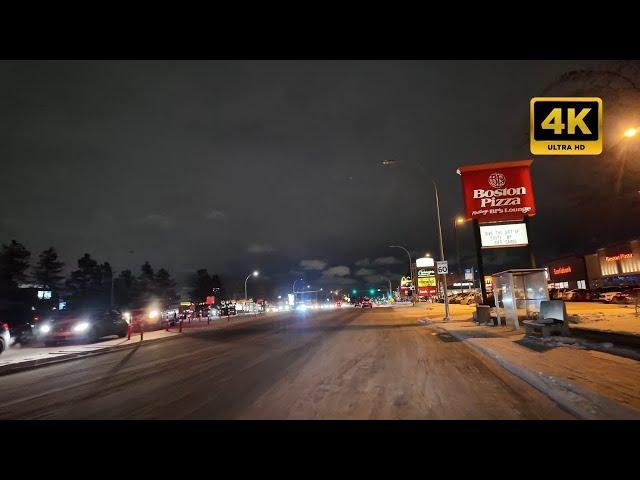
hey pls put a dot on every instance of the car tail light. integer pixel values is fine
(5, 326)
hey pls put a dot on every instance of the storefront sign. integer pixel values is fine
(426, 272)
(424, 262)
(426, 291)
(620, 256)
(562, 270)
(501, 235)
(426, 282)
(405, 282)
(495, 192)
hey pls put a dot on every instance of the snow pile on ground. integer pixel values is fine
(583, 344)
(605, 317)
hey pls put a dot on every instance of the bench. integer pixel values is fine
(552, 319)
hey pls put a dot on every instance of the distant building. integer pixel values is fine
(614, 265)
(568, 272)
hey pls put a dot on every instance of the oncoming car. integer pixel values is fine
(87, 325)
(366, 303)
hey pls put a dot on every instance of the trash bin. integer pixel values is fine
(483, 314)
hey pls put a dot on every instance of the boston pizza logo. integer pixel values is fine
(497, 180)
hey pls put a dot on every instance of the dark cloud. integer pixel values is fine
(313, 264)
(361, 272)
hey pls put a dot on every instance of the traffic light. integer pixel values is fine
(371, 291)
(354, 291)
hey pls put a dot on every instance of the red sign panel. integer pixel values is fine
(496, 192)
(426, 291)
(211, 300)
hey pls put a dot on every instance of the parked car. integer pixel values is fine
(606, 294)
(469, 299)
(578, 295)
(557, 293)
(5, 337)
(455, 298)
(366, 303)
(627, 296)
(87, 325)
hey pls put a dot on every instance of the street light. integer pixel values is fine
(628, 135)
(435, 187)
(410, 262)
(390, 293)
(255, 273)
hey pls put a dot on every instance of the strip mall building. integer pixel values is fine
(616, 265)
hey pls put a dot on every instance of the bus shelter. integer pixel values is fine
(518, 293)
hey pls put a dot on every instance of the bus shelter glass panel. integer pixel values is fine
(518, 294)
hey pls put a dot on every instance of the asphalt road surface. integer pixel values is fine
(340, 364)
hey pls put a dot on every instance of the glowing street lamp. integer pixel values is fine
(631, 132)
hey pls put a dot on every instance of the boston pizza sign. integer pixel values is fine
(497, 192)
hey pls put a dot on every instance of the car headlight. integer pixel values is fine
(154, 314)
(81, 327)
(44, 328)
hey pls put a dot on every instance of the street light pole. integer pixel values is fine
(255, 274)
(446, 297)
(410, 264)
(293, 288)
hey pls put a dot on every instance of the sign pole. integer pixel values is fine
(444, 277)
(532, 258)
(478, 243)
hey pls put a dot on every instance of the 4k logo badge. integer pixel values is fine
(566, 126)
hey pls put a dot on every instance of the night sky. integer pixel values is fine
(276, 165)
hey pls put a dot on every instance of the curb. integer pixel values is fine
(580, 402)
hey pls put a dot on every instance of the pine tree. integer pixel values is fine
(48, 270)
(14, 263)
(86, 284)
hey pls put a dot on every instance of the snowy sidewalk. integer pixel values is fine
(590, 384)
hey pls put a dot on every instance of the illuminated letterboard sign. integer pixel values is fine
(505, 235)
